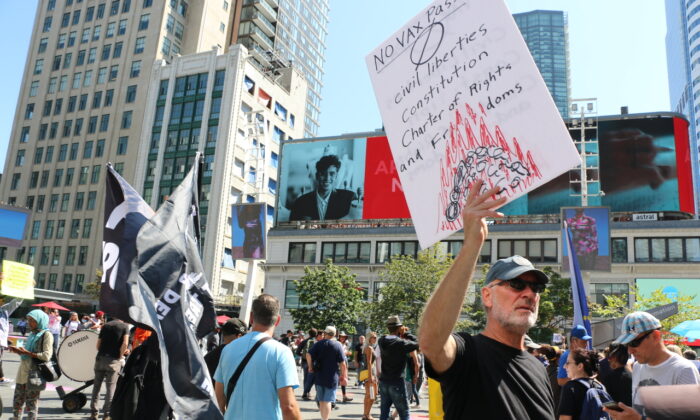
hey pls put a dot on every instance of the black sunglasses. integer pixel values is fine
(638, 341)
(520, 284)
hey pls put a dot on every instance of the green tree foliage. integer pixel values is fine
(92, 289)
(409, 284)
(328, 295)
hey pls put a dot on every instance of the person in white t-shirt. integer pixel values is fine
(655, 364)
(72, 325)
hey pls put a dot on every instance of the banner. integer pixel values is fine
(462, 100)
(248, 231)
(17, 279)
(590, 231)
(581, 316)
(125, 213)
(171, 296)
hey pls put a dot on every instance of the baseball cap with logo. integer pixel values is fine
(330, 330)
(512, 267)
(580, 332)
(636, 324)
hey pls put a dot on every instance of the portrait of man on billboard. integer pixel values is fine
(589, 227)
(248, 231)
(322, 180)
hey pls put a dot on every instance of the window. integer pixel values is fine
(89, 13)
(40, 203)
(83, 102)
(56, 257)
(69, 176)
(106, 51)
(131, 94)
(302, 252)
(43, 129)
(92, 55)
(109, 94)
(117, 50)
(79, 200)
(57, 177)
(272, 186)
(67, 126)
(291, 296)
(44, 260)
(56, 62)
(70, 255)
(113, 73)
(62, 152)
(92, 197)
(52, 281)
(87, 227)
(83, 177)
(536, 250)
(29, 112)
(73, 151)
(346, 252)
(600, 290)
(49, 154)
(85, 35)
(77, 79)
(99, 150)
(100, 11)
(65, 200)
(48, 231)
(386, 250)
(24, 135)
(135, 69)
(114, 9)
(222, 27)
(122, 27)
(170, 24)
(60, 229)
(62, 84)
(79, 283)
(111, 28)
(96, 32)
(38, 66)
(140, 44)
(94, 179)
(30, 255)
(82, 255)
(61, 41)
(215, 108)
(74, 228)
(33, 88)
(126, 120)
(14, 184)
(102, 75)
(65, 21)
(667, 249)
(44, 182)
(71, 38)
(179, 31)
(36, 228)
(143, 22)
(92, 124)
(38, 155)
(165, 49)
(87, 81)
(19, 159)
(122, 145)
(43, 44)
(619, 250)
(87, 149)
(182, 8)
(147, 3)
(104, 123)
(67, 61)
(47, 24)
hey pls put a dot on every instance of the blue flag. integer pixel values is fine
(581, 315)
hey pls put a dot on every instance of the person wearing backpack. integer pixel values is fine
(583, 396)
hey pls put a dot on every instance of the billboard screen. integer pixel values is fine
(644, 166)
(339, 179)
(248, 231)
(670, 287)
(13, 221)
(590, 232)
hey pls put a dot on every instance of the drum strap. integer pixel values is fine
(234, 379)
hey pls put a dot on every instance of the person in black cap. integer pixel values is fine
(232, 329)
(489, 375)
(394, 351)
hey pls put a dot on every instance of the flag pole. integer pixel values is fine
(244, 314)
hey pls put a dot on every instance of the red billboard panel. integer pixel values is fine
(384, 197)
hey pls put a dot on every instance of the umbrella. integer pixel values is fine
(51, 305)
(221, 319)
(689, 329)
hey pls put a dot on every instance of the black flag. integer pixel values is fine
(171, 296)
(125, 213)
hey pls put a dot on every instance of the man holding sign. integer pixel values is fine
(489, 375)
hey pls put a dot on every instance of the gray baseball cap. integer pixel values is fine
(512, 267)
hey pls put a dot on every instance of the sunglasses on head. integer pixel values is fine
(520, 285)
(638, 341)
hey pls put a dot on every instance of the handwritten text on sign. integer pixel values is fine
(17, 280)
(462, 100)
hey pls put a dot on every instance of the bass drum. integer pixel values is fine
(76, 355)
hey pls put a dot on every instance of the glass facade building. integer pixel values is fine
(546, 35)
(683, 63)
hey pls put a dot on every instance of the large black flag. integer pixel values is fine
(171, 296)
(125, 213)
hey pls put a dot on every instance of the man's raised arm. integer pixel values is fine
(443, 309)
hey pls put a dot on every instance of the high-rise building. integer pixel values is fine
(547, 37)
(289, 30)
(683, 63)
(223, 106)
(81, 105)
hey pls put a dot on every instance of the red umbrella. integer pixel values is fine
(51, 305)
(221, 319)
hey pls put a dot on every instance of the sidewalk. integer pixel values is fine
(50, 405)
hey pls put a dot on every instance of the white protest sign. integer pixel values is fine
(461, 99)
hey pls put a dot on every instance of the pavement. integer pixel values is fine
(50, 404)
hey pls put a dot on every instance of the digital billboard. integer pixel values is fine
(352, 178)
(590, 234)
(248, 231)
(672, 288)
(13, 221)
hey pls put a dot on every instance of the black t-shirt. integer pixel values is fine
(572, 396)
(619, 385)
(393, 351)
(490, 380)
(111, 338)
(212, 359)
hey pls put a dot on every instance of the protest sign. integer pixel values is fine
(462, 100)
(17, 280)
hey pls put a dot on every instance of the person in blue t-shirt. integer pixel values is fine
(324, 358)
(579, 340)
(265, 389)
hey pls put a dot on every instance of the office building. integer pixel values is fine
(81, 105)
(223, 106)
(292, 30)
(547, 37)
(683, 63)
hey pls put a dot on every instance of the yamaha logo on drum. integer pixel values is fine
(76, 341)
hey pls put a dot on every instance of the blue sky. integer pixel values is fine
(616, 48)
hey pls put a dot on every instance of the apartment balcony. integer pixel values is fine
(249, 29)
(257, 52)
(264, 7)
(263, 23)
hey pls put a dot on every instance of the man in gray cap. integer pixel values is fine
(488, 375)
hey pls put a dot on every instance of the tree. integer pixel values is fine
(328, 295)
(409, 283)
(92, 289)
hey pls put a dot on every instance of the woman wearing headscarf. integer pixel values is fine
(39, 346)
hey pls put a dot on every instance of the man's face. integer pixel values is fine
(647, 348)
(514, 310)
(577, 343)
(362, 339)
(325, 180)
